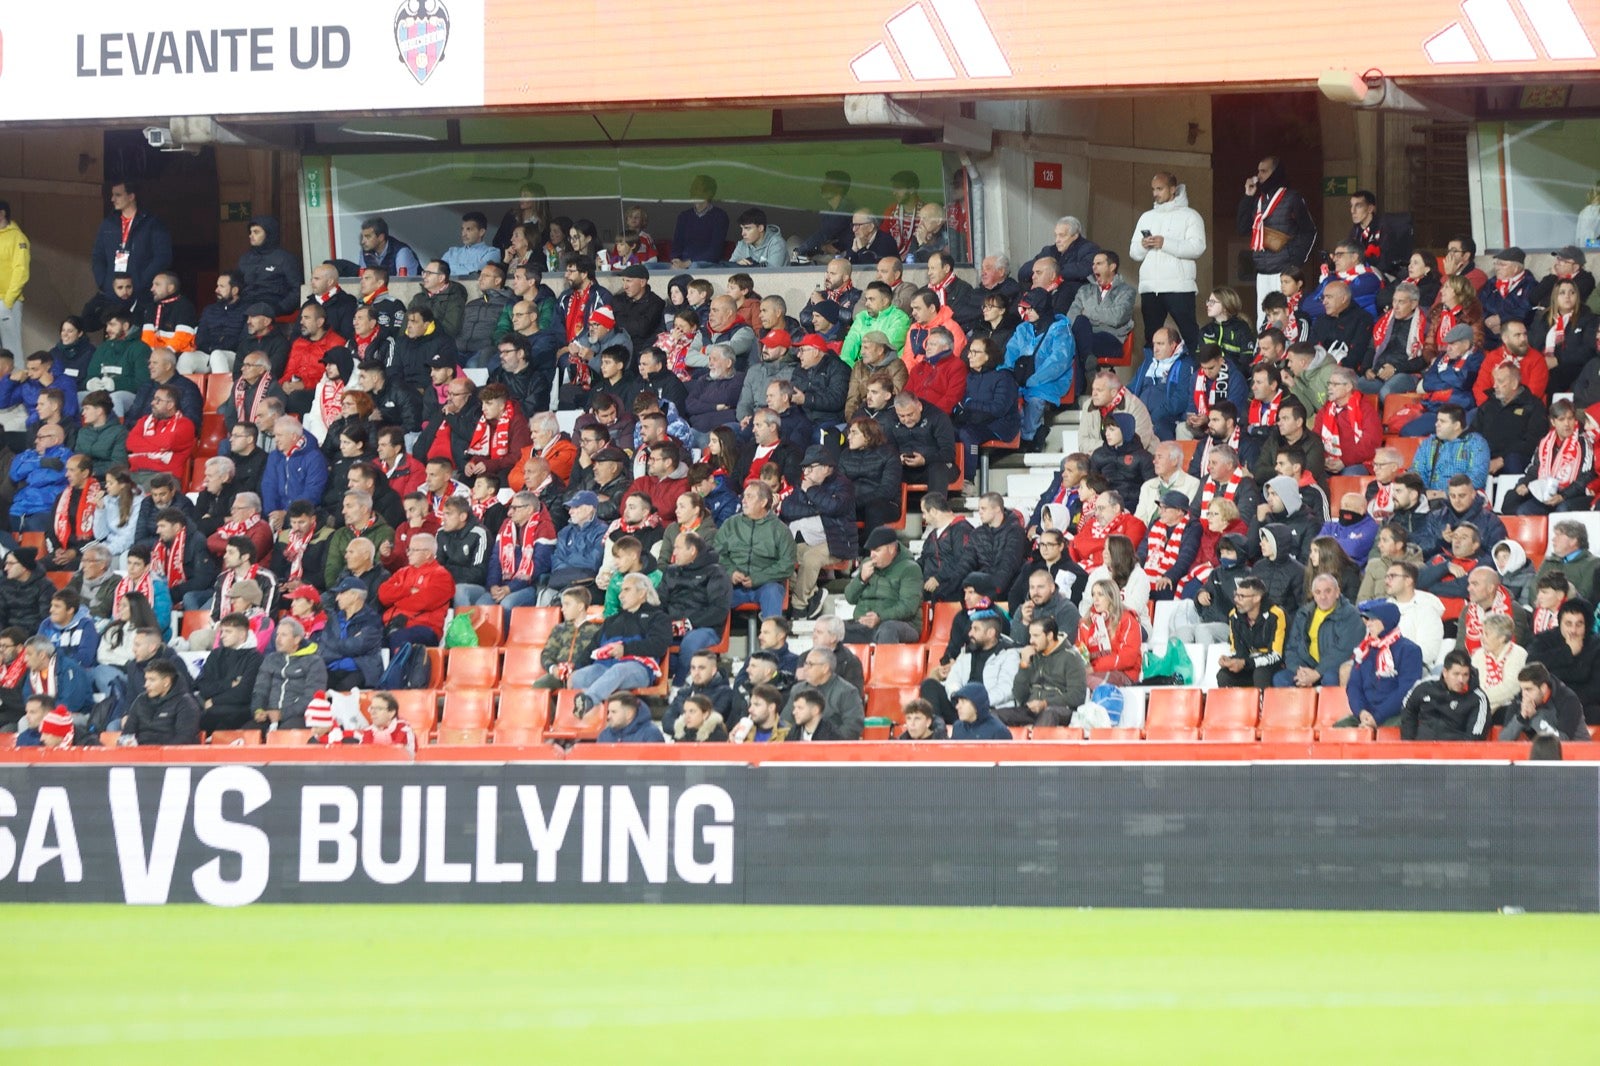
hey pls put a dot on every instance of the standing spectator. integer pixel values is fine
(1278, 223)
(15, 258)
(1167, 241)
(129, 241)
(267, 273)
(701, 229)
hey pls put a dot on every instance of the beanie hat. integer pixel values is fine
(319, 712)
(58, 723)
(603, 316)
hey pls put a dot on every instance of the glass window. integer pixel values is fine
(1538, 184)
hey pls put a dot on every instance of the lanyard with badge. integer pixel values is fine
(120, 264)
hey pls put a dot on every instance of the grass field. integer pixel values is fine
(444, 985)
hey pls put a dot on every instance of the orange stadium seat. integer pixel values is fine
(898, 665)
(532, 625)
(1172, 708)
(1333, 705)
(568, 726)
(890, 703)
(1530, 531)
(1348, 735)
(1304, 735)
(488, 622)
(435, 667)
(1232, 708)
(1406, 446)
(243, 738)
(864, 653)
(1228, 734)
(192, 621)
(1187, 447)
(944, 615)
(1171, 733)
(1288, 708)
(1120, 732)
(1339, 484)
(523, 666)
(288, 738)
(1393, 404)
(524, 708)
(468, 708)
(479, 667)
(419, 709)
(1056, 732)
(216, 389)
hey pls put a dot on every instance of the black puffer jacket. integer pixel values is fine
(1000, 550)
(949, 557)
(835, 501)
(25, 604)
(172, 719)
(269, 274)
(873, 472)
(700, 591)
(646, 633)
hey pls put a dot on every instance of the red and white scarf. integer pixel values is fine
(1328, 428)
(837, 295)
(330, 400)
(167, 559)
(245, 399)
(1381, 505)
(1494, 669)
(294, 549)
(1544, 619)
(1505, 285)
(145, 586)
(240, 529)
(11, 675)
(491, 441)
(1384, 646)
(1258, 227)
(232, 576)
(1472, 618)
(1207, 391)
(1264, 415)
(1099, 639)
(1229, 491)
(511, 567)
(1561, 459)
(1417, 330)
(1558, 331)
(676, 349)
(43, 684)
(1162, 546)
(65, 530)
(1116, 402)
(1448, 316)
(436, 500)
(1233, 442)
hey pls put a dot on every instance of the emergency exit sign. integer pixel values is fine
(236, 211)
(1047, 175)
(1338, 186)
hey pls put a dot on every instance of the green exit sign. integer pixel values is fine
(236, 211)
(1338, 186)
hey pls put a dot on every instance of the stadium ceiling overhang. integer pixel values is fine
(106, 60)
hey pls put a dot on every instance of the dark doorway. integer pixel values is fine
(1250, 126)
(180, 188)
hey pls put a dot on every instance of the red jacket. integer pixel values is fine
(420, 594)
(164, 445)
(407, 477)
(663, 492)
(397, 549)
(305, 358)
(518, 440)
(1535, 374)
(1358, 429)
(941, 382)
(1126, 645)
(1088, 548)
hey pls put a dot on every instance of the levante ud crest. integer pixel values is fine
(421, 30)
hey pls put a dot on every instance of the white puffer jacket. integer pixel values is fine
(1169, 268)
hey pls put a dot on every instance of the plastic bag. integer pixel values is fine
(1172, 667)
(460, 634)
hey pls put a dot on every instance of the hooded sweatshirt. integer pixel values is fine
(1381, 678)
(986, 726)
(269, 274)
(1283, 574)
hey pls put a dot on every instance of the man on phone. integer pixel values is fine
(1279, 226)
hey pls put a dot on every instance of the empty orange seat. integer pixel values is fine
(1339, 484)
(488, 621)
(1333, 705)
(1120, 732)
(1232, 708)
(1350, 735)
(192, 621)
(864, 653)
(1530, 531)
(1297, 735)
(890, 703)
(524, 708)
(532, 625)
(216, 390)
(236, 738)
(447, 736)
(518, 735)
(1168, 733)
(1388, 732)
(477, 667)
(1229, 734)
(288, 738)
(468, 708)
(1057, 732)
(898, 664)
(523, 666)
(944, 615)
(419, 709)
(1173, 707)
(1288, 708)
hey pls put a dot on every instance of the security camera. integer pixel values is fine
(159, 137)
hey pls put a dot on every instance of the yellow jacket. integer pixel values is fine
(14, 258)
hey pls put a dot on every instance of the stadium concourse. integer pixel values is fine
(1350, 503)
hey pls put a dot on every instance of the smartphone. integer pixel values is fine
(1144, 233)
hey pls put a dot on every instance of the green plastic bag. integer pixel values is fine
(460, 633)
(1173, 663)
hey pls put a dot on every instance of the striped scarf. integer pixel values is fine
(1229, 492)
(1417, 330)
(1472, 618)
(1384, 646)
(1162, 546)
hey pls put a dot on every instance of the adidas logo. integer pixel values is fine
(928, 47)
(1503, 37)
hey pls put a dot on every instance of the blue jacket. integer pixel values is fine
(301, 476)
(78, 639)
(1442, 376)
(221, 326)
(1438, 461)
(642, 730)
(37, 487)
(1383, 697)
(1430, 538)
(543, 551)
(1517, 304)
(1364, 289)
(835, 502)
(149, 250)
(986, 726)
(1356, 540)
(579, 547)
(1167, 400)
(1341, 631)
(73, 688)
(1054, 359)
(28, 393)
(991, 403)
(354, 643)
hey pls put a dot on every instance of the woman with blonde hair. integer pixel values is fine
(1110, 637)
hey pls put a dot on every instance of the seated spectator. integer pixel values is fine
(820, 514)
(95, 582)
(630, 647)
(245, 450)
(1281, 570)
(947, 551)
(1509, 297)
(520, 558)
(841, 702)
(1256, 632)
(1299, 510)
(886, 592)
(628, 721)
(876, 313)
(1496, 664)
(579, 548)
(1101, 314)
(239, 563)
(13, 671)
(868, 242)
(1548, 708)
(761, 724)
(702, 682)
(1421, 613)
(1122, 460)
(761, 244)
(57, 675)
(180, 558)
(1386, 667)
(101, 439)
(1569, 556)
(1306, 371)
(699, 723)
(1353, 529)
(226, 686)
(1451, 707)
(1486, 596)
(121, 365)
(1120, 566)
(699, 595)
(350, 642)
(1164, 385)
(1349, 425)
(1397, 346)
(1322, 637)
(70, 628)
(1569, 653)
(290, 677)
(1327, 556)
(928, 313)
(1462, 503)
(338, 305)
(807, 709)
(1447, 570)
(1088, 547)
(1043, 356)
(758, 552)
(1557, 477)
(568, 646)
(297, 470)
(873, 468)
(1565, 333)
(1109, 636)
(416, 596)
(973, 718)
(821, 382)
(164, 713)
(1344, 330)
(47, 725)
(1393, 545)
(1228, 329)
(1512, 421)
(244, 520)
(1448, 378)
(1517, 353)
(1173, 543)
(1451, 450)
(1049, 685)
(39, 479)
(115, 651)
(1001, 544)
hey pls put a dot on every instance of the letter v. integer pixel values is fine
(148, 878)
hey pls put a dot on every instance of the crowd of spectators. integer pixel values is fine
(371, 468)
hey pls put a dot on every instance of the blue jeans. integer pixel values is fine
(692, 642)
(528, 597)
(1032, 415)
(768, 596)
(196, 601)
(467, 595)
(599, 680)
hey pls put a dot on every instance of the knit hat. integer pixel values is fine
(979, 580)
(319, 712)
(246, 590)
(827, 309)
(58, 723)
(603, 316)
(1459, 332)
(441, 361)
(881, 537)
(1287, 491)
(1511, 255)
(27, 558)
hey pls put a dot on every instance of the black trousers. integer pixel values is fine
(1250, 677)
(1156, 306)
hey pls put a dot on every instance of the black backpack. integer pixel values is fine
(408, 668)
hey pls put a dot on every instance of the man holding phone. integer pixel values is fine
(1169, 239)
(1278, 223)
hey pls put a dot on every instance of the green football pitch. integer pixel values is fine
(446, 985)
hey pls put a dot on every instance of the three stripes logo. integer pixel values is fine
(1503, 37)
(928, 47)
